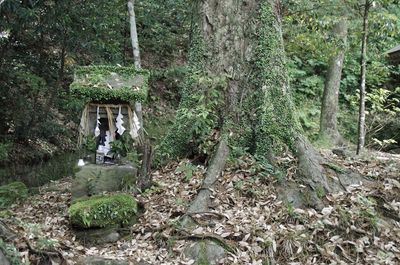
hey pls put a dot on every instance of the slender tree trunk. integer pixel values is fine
(329, 108)
(136, 57)
(144, 178)
(134, 35)
(363, 64)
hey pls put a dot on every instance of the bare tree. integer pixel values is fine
(363, 64)
(136, 56)
(144, 180)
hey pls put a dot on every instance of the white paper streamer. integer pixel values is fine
(97, 129)
(120, 128)
(135, 126)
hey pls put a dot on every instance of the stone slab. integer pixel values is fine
(95, 179)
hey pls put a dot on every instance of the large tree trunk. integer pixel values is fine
(363, 65)
(328, 122)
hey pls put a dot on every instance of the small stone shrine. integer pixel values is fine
(108, 117)
(110, 93)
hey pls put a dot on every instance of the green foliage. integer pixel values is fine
(57, 167)
(128, 183)
(202, 256)
(310, 43)
(89, 143)
(384, 112)
(46, 244)
(263, 170)
(123, 146)
(320, 191)
(21, 91)
(103, 211)
(11, 193)
(163, 28)
(33, 79)
(172, 80)
(187, 169)
(197, 116)
(367, 213)
(133, 157)
(11, 253)
(4, 150)
(92, 83)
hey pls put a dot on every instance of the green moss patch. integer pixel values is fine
(11, 193)
(103, 211)
(110, 83)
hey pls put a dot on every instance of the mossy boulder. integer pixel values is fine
(103, 211)
(11, 193)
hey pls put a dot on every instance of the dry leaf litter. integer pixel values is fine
(359, 226)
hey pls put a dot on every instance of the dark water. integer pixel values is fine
(41, 173)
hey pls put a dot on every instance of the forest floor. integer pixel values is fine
(359, 226)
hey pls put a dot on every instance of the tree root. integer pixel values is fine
(318, 176)
(42, 256)
(201, 202)
(210, 248)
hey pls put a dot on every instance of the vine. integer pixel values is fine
(277, 123)
(196, 117)
(199, 108)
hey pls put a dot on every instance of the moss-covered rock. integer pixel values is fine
(103, 211)
(107, 83)
(11, 193)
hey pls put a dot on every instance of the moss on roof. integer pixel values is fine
(105, 83)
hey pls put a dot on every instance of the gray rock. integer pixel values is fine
(342, 153)
(124, 246)
(143, 263)
(112, 237)
(92, 260)
(94, 179)
(205, 252)
(3, 259)
(98, 236)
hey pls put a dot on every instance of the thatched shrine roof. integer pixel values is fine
(110, 83)
(394, 55)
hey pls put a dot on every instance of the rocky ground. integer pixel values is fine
(359, 226)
